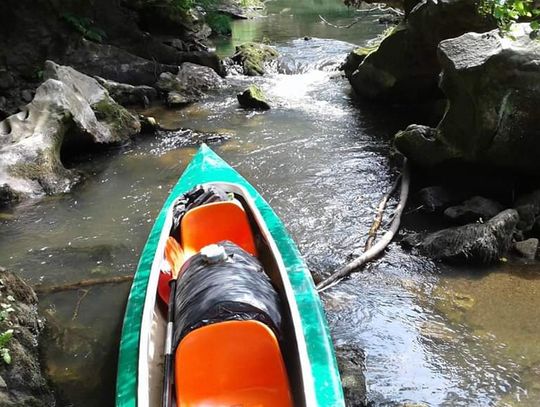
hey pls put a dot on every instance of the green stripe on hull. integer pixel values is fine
(207, 166)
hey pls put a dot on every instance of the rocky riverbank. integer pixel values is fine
(21, 381)
(486, 142)
(106, 56)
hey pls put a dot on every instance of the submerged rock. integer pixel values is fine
(404, 68)
(253, 57)
(351, 363)
(190, 84)
(494, 105)
(21, 380)
(474, 243)
(253, 98)
(68, 108)
(474, 209)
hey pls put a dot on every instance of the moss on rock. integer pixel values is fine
(253, 56)
(253, 98)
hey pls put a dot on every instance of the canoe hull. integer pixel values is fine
(207, 167)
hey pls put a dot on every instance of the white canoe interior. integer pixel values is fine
(152, 338)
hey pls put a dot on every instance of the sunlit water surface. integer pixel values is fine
(432, 335)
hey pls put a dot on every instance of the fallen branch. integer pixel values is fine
(78, 305)
(378, 247)
(50, 289)
(324, 20)
(379, 215)
(365, 13)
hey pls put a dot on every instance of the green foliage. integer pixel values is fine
(508, 12)
(219, 23)
(85, 26)
(5, 337)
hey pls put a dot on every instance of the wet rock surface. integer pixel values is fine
(21, 381)
(253, 98)
(480, 243)
(351, 363)
(253, 57)
(68, 107)
(494, 105)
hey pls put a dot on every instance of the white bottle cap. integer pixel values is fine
(213, 253)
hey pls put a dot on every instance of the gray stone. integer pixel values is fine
(128, 95)
(404, 68)
(68, 104)
(494, 104)
(527, 248)
(191, 83)
(27, 95)
(116, 64)
(253, 98)
(482, 243)
(474, 209)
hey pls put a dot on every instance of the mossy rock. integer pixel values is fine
(253, 56)
(253, 98)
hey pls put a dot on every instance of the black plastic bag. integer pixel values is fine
(234, 289)
(197, 196)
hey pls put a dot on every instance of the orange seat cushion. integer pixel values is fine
(214, 222)
(233, 363)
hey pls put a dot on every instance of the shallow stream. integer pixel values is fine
(432, 334)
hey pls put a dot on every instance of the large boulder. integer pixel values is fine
(190, 84)
(21, 380)
(481, 243)
(404, 68)
(68, 108)
(493, 115)
(254, 57)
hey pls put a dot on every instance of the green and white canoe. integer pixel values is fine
(139, 376)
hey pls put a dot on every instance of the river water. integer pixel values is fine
(432, 334)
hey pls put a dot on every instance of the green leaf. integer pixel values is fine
(6, 356)
(6, 337)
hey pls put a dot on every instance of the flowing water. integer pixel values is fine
(432, 334)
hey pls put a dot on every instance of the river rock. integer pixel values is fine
(351, 363)
(128, 95)
(190, 84)
(472, 210)
(253, 57)
(527, 248)
(253, 98)
(114, 63)
(69, 108)
(404, 68)
(482, 243)
(437, 198)
(22, 382)
(493, 111)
